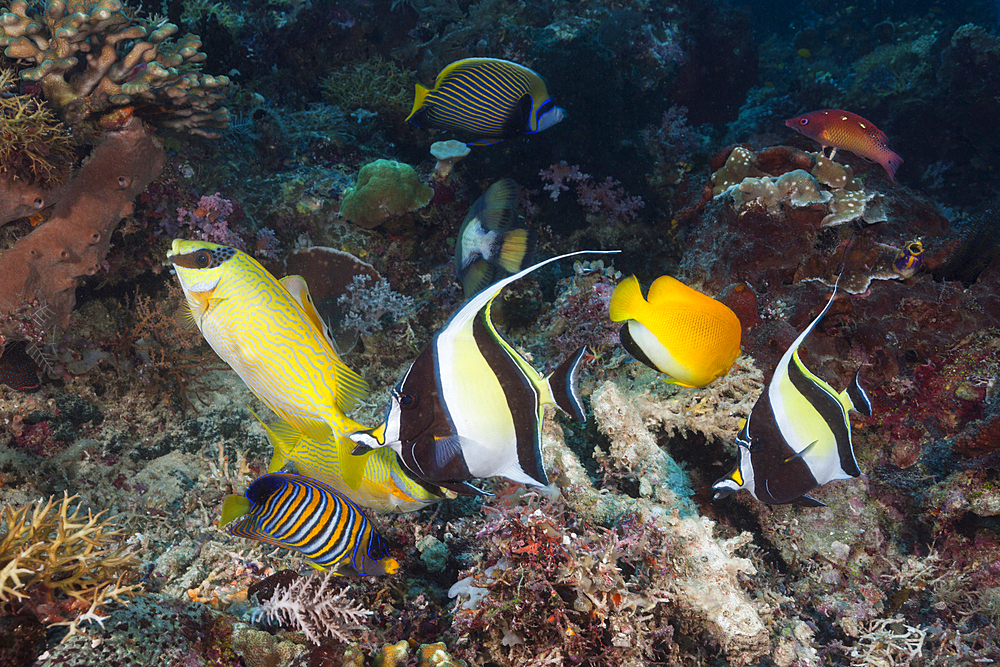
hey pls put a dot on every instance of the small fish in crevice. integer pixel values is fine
(304, 515)
(487, 247)
(470, 406)
(837, 129)
(798, 434)
(487, 97)
(676, 330)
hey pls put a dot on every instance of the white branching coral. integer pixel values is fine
(311, 606)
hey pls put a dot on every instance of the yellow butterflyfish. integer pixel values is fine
(677, 330)
(263, 332)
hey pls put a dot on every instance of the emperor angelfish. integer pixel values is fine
(487, 97)
(798, 434)
(676, 330)
(470, 406)
(487, 248)
(265, 334)
(375, 480)
(307, 516)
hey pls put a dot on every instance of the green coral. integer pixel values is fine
(385, 189)
(375, 83)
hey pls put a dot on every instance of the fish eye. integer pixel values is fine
(406, 401)
(203, 259)
(803, 121)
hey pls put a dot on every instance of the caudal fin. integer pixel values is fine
(626, 300)
(233, 507)
(563, 386)
(858, 396)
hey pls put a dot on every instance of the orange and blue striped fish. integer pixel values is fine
(304, 515)
(488, 97)
(842, 129)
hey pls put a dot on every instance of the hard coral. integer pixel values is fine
(129, 62)
(385, 189)
(61, 566)
(34, 144)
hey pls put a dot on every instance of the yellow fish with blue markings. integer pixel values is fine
(375, 480)
(301, 514)
(488, 97)
(265, 334)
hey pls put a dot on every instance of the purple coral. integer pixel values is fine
(607, 198)
(558, 175)
(209, 221)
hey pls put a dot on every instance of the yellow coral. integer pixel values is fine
(52, 546)
(373, 84)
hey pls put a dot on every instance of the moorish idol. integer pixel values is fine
(676, 330)
(470, 406)
(488, 97)
(487, 247)
(267, 336)
(304, 515)
(798, 434)
(375, 480)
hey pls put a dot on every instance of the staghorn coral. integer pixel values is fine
(375, 83)
(34, 145)
(61, 566)
(129, 63)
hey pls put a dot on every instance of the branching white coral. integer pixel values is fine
(310, 606)
(888, 642)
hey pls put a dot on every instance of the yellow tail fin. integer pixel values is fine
(233, 507)
(626, 300)
(517, 244)
(418, 101)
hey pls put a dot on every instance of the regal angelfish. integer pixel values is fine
(798, 434)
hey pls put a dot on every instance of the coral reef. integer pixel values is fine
(130, 65)
(47, 264)
(34, 145)
(61, 566)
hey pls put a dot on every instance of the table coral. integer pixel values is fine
(128, 63)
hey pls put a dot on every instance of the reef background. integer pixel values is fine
(626, 560)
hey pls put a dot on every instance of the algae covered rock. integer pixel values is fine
(385, 189)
